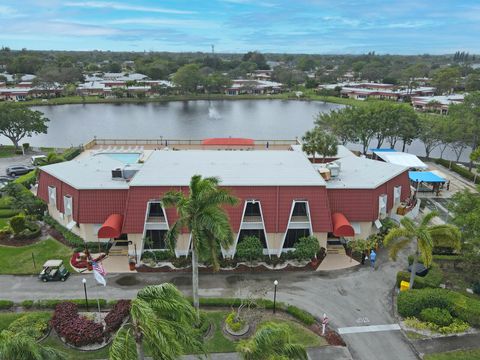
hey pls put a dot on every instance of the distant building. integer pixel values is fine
(438, 104)
(240, 87)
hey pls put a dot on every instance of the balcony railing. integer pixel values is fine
(156, 219)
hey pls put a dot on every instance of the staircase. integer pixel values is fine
(335, 247)
(118, 251)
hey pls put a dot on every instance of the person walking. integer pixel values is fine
(373, 257)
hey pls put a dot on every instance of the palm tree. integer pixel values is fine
(425, 236)
(202, 214)
(317, 141)
(161, 319)
(23, 347)
(272, 342)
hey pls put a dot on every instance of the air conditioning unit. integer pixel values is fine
(117, 174)
(334, 169)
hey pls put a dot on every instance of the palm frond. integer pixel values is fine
(397, 246)
(446, 236)
(428, 218)
(123, 345)
(396, 234)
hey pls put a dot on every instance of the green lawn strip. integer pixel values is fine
(7, 151)
(18, 260)
(7, 318)
(455, 355)
(299, 333)
(218, 342)
(73, 354)
(412, 335)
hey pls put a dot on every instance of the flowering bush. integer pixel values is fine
(115, 317)
(234, 323)
(75, 329)
(457, 326)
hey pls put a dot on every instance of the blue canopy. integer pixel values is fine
(425, 176)
(383, 150)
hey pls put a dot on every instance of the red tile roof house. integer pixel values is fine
(283, 197)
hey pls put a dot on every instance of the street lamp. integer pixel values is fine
(84, 281)
(275, 283)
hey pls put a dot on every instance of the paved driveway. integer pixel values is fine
(350, 298)
(16, 160)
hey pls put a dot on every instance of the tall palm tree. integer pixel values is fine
(161, 319)
(201, 213)
(424, 236)
(318, 141)
(272, 342)
(23, 347)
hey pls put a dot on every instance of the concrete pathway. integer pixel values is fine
(351, 297)
(369, 328)
(320, 353)
(444, 344)
(337, 262)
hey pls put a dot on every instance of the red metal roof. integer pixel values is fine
(228, 141)
(112, 227)
(341, 226)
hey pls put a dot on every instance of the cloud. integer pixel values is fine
(163, 22)
(120, 6)
(7, 11)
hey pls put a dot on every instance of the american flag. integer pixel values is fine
(99, 268)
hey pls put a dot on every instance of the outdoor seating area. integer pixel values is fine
(427, 182)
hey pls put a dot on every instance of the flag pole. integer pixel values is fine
(98, 304)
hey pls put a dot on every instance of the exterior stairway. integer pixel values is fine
(335, 247)
(118, 251)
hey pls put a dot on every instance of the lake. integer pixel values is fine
(197, 119)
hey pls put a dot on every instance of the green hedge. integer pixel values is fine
(27, 304)
(5, 202)
(433, 279)
(50, 304)
(6, 304)
(74, 240)
(412, 302)
(71, 153)
(7, 213)
(301, 315)
(27, 180)
(437, 316)
(458, 169)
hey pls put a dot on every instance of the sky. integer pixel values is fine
(237, 26)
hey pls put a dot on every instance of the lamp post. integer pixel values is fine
(84, 281)
(275, 283)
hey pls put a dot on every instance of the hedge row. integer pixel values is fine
(50, 304)
(74, 240)
(299, 314)
(412, 302)
(433, 279)
(71, 153)
(6, 304)
(459, 170)
(8, 213)
(27, 180)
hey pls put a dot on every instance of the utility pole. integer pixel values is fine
(213, 49)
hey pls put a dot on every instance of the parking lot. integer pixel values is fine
(15, 160)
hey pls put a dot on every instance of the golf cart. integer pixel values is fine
(53, 270)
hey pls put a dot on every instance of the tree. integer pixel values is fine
(446, 79)
(216, 83)
(257, 58)
(201, 213)
(317, 141)
(114, 67)
(250, 248)
(17, 122)
(469, 112)
(430, 133)
(307, 248)
(424, 236)
(403, 126)
(161, 319)
(272, 342)
(21, 346)
(188, 77)
(465, 207)
(472, 82)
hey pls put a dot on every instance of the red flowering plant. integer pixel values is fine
(117, 315)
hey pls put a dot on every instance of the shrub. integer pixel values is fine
(27, 180)
(437, 316)
(34, 325)
(433, 279)
(158, 255)
(249, 249)
(203, 325)
(31, 231)
(306, 248)
(456, 326)
(412, 302)
(234, 323)
(17, 223)
(71, 153)
(52, 303)
(24, 200)
(5, 202)
(6, 213)
(75, 329)
(458, 169)
(27, 304)
(301, 315)
(6, 304)
(117, 315)
(75, 241)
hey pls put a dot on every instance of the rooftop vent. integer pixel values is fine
(117, 174)
(334, 169)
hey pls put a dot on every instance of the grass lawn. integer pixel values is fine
(455, 355)
(300, 334)
(7, 318)
(72, 354)
(4, 222)
(412, 335)
(7, 151)
(18, 260)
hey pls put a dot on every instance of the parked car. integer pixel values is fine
(15, 170)
(38, 159)
(53, 270)
(5, 180)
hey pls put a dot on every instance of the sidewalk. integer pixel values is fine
(450, 343)
(323, 353)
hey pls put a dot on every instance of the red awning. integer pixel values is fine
(341, 226)
(112, 227)
(228, 141)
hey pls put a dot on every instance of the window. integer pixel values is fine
(157, 238)
(156, 210)
(397, 194)
(293, 235)
(300, 209)
(252, 209)
(260, 234)
(52, 196)
(67, 205)
(382, 206)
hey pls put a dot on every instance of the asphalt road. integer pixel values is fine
(350, 298)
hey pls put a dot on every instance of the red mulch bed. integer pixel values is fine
(18, 242)
(332, 337)
(57, 235)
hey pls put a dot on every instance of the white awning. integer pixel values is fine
(378, 224)
(400, 158)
